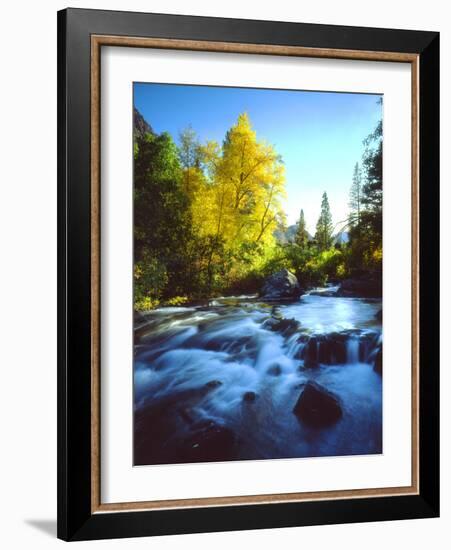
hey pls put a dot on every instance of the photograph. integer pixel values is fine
(257, 276)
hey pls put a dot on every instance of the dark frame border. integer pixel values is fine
(75, 518)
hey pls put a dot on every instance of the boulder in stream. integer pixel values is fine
(211, 442)
(275, 370)
(317, 407)
(138, 318)
(213, 384)
(250, 396)
(337, 348)
(282, 285)
(287, 327)
(362, 286)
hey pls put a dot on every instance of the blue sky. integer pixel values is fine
(318, 134)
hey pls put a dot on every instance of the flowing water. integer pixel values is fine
(221, 382)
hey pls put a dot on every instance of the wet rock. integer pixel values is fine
(310, 364)
(333, 348)
(282, 285)
(276, 313)
(287, 327)
(250, 396)
(368, 346)
(138, 318)
(213, 384)
(211, 442)
(238, 344)
(318, 407)
(325, 293)
(274, 370)
(310, 351)
(364, 286)
(378, 362)
(186, 415)
(207, 343)
(336, 348)
(326, 349)
(203, 424)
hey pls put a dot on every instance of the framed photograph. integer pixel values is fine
(248, 274)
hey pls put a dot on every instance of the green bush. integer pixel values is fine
(150, 278)
(311, 267)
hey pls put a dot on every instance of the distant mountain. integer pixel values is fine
(341, 238)
(140, 125)
(284, 236)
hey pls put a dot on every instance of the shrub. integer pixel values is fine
(150, 278)
(176, 301)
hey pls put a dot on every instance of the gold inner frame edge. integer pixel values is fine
(97, 41)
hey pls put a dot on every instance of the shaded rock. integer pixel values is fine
(275, 312)
(138, 318)
(249, 396)
(379, 315)
(310, 351)
(365, 286)
(274, 370)
(287, 327)
(156, 429)
(270, 323)
(329, 349)
(141, 326)
(281, 286)
(310, 364)
(203, 424)
(334, 348)
(239, 344)
(368, 346)
(317, 407)
(140, 125)
(337, 348)
(378, 362)
(186, 415)
(213, 384)
(212, 442)
(325, 292)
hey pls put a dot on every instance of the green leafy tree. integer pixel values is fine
(324, 227)
(162, 223)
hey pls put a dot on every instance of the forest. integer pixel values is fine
(208, 218)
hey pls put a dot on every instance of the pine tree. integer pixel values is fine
(355, 197)
(371, 197)
(301, 238)
(324, 227)
(372, 167)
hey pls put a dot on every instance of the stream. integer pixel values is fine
(220, 382)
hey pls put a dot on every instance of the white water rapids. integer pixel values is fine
(226, 378)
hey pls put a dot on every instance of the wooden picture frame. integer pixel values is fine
(81, 35)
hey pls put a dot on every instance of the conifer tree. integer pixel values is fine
(324, 228)
(301, 238)
(355, 197)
